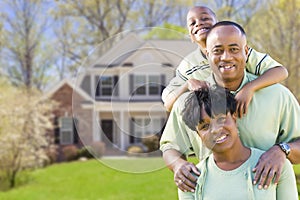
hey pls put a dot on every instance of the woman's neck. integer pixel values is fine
(232, 158)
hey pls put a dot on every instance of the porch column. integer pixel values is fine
(122, 130)
(95, 126)
(93, 92)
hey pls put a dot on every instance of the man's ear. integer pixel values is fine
(234, 116)
(246, 48)
(206, 52)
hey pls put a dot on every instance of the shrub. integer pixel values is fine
(70, 152)
(152, 143)
(136, 150)
(52, 154)
(86, 152)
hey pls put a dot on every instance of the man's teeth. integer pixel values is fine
(220, 139)
(227, 67)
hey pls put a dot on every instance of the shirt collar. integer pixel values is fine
(212, 81)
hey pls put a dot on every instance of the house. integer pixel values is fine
(116, 98)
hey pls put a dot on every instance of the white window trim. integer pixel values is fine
(147, 86)
(106, 86)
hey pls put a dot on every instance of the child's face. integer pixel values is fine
(199, 21)
(218, 133)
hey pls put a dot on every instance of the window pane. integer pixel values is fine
(139, 80)
(106, 80)
(154, 79)
(66, 123)
(138, 121)
(156, 125)
(141, 90)
(154, 89)
(66, 137)
(106, 91)
(147, 121)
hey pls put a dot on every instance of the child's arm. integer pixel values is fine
(270, 77)
(189, 85)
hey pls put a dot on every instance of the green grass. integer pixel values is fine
(297, 172)
(93, 180)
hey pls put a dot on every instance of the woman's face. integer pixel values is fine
(218, 133)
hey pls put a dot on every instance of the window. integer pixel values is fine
(140, 85)
(143, 127)
(154, 85)
(66, 135)
(106, 86)
(143, 85)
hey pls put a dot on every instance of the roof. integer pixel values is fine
(173, 50)
(70, 83)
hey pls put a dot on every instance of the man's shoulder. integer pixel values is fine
(195, 58)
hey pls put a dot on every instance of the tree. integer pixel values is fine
(236, 10)
(167, 31)
(84, 25)
(25, 119)
(275, 29)
(27, 54)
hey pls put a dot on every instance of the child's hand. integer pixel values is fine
(194, 85)
(243, 98)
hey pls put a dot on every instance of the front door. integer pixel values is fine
(107, 128)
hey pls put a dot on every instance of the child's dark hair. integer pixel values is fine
(215, 101)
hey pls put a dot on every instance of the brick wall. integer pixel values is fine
(70, 106)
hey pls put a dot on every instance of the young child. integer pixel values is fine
(227, 172)
(194, 68)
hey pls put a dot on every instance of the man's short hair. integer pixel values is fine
(227, 23)
(215, 101)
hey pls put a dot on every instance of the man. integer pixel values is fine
(194, 68)
(271, 123)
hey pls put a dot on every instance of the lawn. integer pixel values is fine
(93, 180)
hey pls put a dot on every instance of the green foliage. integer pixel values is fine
(152, 143)
(275, 29)
(167, 32)
(86, 152)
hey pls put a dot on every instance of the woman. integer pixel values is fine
(226, 173)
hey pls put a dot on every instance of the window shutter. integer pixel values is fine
(131, 82)
(56, 130)
(162, 82)
(75, 131)
(116, 86)
(97, 84)
(131, 136)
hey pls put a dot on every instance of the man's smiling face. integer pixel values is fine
(227, 54)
